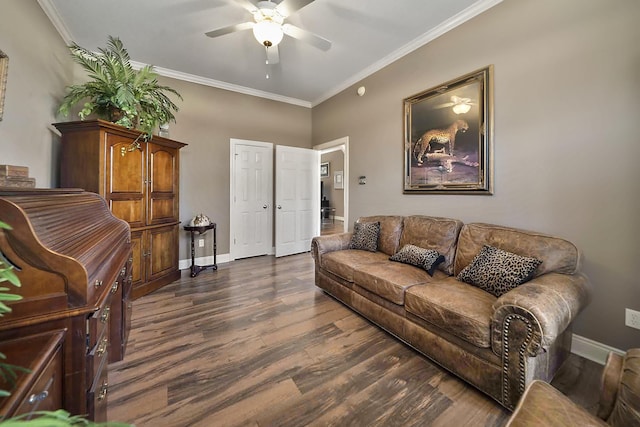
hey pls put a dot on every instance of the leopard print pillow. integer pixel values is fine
(497, 271)
(427, 259)
(365, 236)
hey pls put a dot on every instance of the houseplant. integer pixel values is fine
(118, 93)
(59, 418)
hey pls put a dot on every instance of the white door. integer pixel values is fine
(251, 198)
(297, 199)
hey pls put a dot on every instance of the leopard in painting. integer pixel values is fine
(438, 136)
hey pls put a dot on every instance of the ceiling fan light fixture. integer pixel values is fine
(461, 108)
(268, 33)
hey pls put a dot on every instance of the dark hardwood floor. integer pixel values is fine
(328, 227)
(257, 344)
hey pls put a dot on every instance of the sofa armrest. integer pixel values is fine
(609, 384)
(546, 305)
(324, 244)
(543, 405)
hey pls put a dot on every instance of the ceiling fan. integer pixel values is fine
(460, 105)
(269, 27)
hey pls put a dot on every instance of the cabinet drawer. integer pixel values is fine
(97, 324)
(46, 393)
(40, 387)
(97, 394)
(97, 354)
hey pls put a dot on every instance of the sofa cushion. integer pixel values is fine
(557, 255)
(390, 280)
(440, 234)
(426, 259)
(456, 307)
(497, 271)
(365, 236)
(343, 263)
(390, 231)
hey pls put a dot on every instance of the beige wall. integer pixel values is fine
(567, 104)
(39, 69)
(207, 120)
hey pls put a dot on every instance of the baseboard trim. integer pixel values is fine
(185, 264)
(592, 350)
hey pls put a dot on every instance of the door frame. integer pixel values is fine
(233, 142)
(341, 144)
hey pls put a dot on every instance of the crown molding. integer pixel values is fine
(192, 78)
(472, 11)
(54, 16)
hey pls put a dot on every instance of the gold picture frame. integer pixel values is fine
(4, 71)
(448, 141)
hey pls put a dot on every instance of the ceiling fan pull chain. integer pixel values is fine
(266, 49)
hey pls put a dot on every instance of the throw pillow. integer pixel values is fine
(427, 259)
(365, 236)
(497, 271)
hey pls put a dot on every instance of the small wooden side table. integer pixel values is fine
(195, 269)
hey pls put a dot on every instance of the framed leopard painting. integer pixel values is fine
(448, 137)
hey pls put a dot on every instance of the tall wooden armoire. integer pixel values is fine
(140, 182)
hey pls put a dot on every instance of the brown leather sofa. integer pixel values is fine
(499, 345)
(619, 405)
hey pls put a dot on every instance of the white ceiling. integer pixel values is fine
(366, 36)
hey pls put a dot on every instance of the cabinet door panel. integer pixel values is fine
(163, 245)
(126, 183)
(163, 189)
(137, 254)
(131, 211)
(126, 171)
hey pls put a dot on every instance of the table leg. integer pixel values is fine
(193, 256)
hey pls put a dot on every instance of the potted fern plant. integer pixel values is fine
(117, 92)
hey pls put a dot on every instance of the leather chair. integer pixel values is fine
(619, 405)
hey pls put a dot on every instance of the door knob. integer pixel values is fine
(264, 206)
(279, 207)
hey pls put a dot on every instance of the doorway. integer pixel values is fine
(334, 213)
(252, 207)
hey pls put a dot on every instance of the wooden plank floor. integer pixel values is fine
(257, 344)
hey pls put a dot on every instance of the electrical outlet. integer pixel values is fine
(201, 245)
(632, 318)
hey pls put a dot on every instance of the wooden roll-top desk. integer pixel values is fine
(73, 259)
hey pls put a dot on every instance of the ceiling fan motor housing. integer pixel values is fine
(268, 27)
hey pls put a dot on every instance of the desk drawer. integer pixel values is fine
(97, 394)
(97, 324)
(40, 387)
(96, 355)
(46, 393)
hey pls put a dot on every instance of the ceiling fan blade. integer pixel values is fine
(307, 37)
(247, 4)
(230, 29)
(288, 7)
(273, 55)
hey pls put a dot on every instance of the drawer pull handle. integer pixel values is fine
(38, 397)
(105, 315)
(114, 287)
(103, 391)
(102, 348)
(98, 283)
(123, 271)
